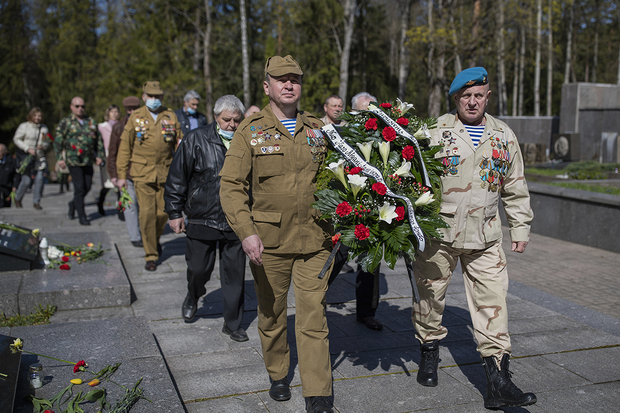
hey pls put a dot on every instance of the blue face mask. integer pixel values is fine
(191, 111)
(228, 134)
(153, 104)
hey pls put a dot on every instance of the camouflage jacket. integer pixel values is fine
(81, 142)
(476, 179)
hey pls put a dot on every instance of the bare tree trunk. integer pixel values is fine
(503, 98)
(279, 47)
(569, 42)
(474, 34)
(458, 67)
(349, 21)
(244, 55)
(537, 58)
(521, 71)
(434, 97)
(596, 30)
(515, 80)
(403, 63)
(196, 58)
(207, 68)
(549, 58)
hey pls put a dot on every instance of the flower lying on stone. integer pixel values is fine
(17, 345)
(80, 366)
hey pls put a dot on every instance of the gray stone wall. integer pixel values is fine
(530, 129)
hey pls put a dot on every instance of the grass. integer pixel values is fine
(544, 171)
(40, 316)
(587, 187)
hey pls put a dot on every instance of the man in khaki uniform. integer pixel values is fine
(148, 143)
(275, 153)
(483, 164)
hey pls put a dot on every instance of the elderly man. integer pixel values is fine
(8, 176)
(483, 164)
(361, 101)
(130, 215)
(251, 110)
(193, 187)
(276, 154)
(77, 145)
(188, 115)
(148, 142)
(333, 108)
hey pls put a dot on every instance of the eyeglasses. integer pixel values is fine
(79, 106)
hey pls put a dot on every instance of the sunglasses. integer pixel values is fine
(79, 106)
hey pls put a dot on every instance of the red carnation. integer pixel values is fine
(65, 258)
(73, 147)
(408, 152)
(379, 188)
(402, 121)
(80, 151)
(361, 232)
(355, 171)
(389, 134)
(400, 210)
(335, 239)
(64, 267)
(386, 105)
(79, 366)
(343, 209)
(371, 124)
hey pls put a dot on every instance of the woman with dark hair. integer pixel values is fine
(111, 116)
(31, 142)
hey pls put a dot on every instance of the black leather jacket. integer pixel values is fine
(183, 118)
(193, 184)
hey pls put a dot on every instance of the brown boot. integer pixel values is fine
(18, 204)
(37, 206)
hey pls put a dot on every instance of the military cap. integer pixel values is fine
(280, 66)
(131, 102)
(152, 87)
(474, 76)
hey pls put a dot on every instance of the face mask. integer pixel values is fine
(153, 104)
(191, 111)
(228, 134)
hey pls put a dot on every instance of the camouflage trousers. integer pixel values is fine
(486, 286)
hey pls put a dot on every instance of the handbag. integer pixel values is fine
(60, 170)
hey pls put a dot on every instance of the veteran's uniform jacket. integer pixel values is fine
(475, 181)
(81, 142)
(268, 184)
(149, 145)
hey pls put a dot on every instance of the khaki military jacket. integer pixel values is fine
(268, 184)
(476, 179)
(148, 145)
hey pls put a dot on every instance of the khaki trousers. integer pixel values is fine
(486, 286)
(152, 217)
(272, 281)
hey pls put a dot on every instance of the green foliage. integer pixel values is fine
(611, 190)
(590, 170)
(39, 317)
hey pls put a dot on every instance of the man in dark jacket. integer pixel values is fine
(188, 115)
(193, 187)
(8, 174)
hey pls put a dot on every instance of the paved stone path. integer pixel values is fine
(564, 304)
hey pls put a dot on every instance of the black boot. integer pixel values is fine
(501, 391)
(427, 375)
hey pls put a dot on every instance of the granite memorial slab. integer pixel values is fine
(18, 248)
(9, 371)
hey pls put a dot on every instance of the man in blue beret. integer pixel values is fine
(483, 164)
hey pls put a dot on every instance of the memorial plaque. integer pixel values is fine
(9, 365)
(18, 248)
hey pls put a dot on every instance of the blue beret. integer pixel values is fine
(474, 76)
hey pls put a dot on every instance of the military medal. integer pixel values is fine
(317, 144)
(253, 142)
(263, 149)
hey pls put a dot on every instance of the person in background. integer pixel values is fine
(78, 145)
(105, 129)
(147, 144)
(130, 215)
(333, 108)
(8, 175)
(189, 117)
(252, 110)
(193, 187)
(30, 139)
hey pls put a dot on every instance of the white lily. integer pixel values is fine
(337, 169)
(425, 199)
(387, 212)
(384, 150)
(366, 149)
(357, 182)
(422, 133)
(53, 252)
(404, 170)
(403, 106)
